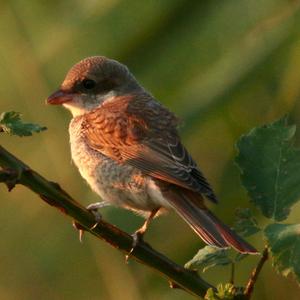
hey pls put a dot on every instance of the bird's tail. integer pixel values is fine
(212, 231)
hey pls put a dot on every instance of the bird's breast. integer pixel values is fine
(122, 185)
(86, 159)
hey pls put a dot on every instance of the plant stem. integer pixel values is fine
(255, 273)
(143, 252)
(232, 272)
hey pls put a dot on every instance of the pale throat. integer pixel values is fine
(78, 108)
(75, 110)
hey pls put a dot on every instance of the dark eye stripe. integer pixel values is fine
(88, 84)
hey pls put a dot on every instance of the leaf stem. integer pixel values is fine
(254, 275)
(232, 272)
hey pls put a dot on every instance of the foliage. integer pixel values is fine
(222, 66)
(11, 123)
(209, 257)
(268, 162)
(269, 167)
(246, 224)
(284, 242)
(225, 292)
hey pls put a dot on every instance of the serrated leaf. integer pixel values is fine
(270, 167)
(11, 123)
(284, 243)
(209, 257)
(245, 223)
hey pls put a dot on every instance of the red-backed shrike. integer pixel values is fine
(126, 145)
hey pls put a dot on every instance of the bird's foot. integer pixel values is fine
(139, 234)
(93, 208)
(137, 238)
(97, 205)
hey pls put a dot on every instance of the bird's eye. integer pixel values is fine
(88, 84)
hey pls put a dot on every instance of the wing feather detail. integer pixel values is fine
(141, 132)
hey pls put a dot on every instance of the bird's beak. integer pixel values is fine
(59, 97)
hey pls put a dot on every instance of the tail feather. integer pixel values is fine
(190, 207)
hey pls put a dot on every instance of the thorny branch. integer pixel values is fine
(55, 196)
(14, 171)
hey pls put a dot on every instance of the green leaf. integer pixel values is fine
(209, 257)
(10, 122)
(210, 295)
(284, 243)
(245, 224)
(270, 167)
(225, 291)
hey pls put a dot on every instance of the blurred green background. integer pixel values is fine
(222, 66)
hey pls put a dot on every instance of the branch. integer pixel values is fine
(255, 273)
(55, 196)
(5, 176)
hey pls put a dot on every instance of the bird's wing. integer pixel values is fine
(143, 134)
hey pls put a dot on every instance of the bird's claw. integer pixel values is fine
(93, 208)
(97, 216)
(137, 238)
(80, 229)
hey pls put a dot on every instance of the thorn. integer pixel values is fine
(127, 256)
(9, 177)
(10, 185)
(80, 229)
(174, 285)
(81, 233)
(92, 208)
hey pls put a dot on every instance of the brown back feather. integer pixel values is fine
(139, 131)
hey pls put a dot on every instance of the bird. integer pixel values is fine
(126, 145)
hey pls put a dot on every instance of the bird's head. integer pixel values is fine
(91, 82)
